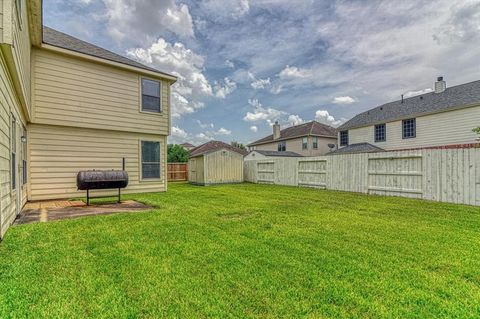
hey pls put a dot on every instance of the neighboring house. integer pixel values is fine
(187, 146)
(259, 154)
(442, 118)
(308, 139)
(216, 162)
(67, 105)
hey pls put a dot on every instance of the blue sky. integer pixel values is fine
(242, 64)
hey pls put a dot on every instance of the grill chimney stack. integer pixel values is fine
(276, 130)
(440, 85)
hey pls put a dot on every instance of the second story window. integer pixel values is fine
(304, 143)
(409, 129)
(282, 146)
(343, 138)
(380, 133)
(315, 143)
(151, 96)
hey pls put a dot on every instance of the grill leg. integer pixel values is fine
(119, 195)
(88, 197)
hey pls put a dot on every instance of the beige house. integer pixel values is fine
(442, 118)
(67, 105)
(215, 162)
(307, 139)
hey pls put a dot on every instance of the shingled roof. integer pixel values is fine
(65, 41)
(213, 146)
(357, 148)
(452, 98)
(312, 128)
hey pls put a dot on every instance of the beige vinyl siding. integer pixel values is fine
(295, 145)
(453, 127)
(58, 153)
(9, 105)
(1, 21)
(75, 92)
(22, 50)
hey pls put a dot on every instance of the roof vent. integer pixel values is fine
(440, 85)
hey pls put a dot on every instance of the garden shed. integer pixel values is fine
(215, 162)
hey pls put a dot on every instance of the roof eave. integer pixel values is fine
(91, 58)
(290, 138)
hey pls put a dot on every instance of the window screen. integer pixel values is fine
(380, 133)
(343, 138)
(282, 146)
(409, 128)
(150, 96)
(315, 142)
(150, 160)
(304, 143)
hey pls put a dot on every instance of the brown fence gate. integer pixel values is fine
(177, 172)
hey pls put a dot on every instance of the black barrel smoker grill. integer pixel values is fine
(102, 179)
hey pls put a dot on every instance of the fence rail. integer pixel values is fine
(445, 175)
(177, 172)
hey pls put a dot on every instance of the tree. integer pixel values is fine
(238, 145)
(477, 130)
(177, 154)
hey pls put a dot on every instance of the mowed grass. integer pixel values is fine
(241, 251)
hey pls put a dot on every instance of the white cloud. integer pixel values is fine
(343, 100)
(223, 131)
(204, 125)
(295, 119)
(324, 117)
(415, 93)
(178, 132)
(261, 113)
(221, 91)
(136, 21)
(229, 64)
(261, 83)
(292, 72)
(191, 86)
(254, 129)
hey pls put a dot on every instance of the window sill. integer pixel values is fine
(153, 113)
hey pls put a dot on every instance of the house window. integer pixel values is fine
(380, 133)
(304, 143)
(151, 96)
(150, 160)
(13, 136)
(343, 138)
(282, 146)
(315, 142)
(409, 128)
(24, 156)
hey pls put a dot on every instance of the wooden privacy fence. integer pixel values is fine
(445, 175)
(177, 172)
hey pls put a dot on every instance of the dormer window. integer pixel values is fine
(151, 96)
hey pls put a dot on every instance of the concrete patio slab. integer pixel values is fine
(44, 211)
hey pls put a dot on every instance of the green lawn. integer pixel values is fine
(249, 251)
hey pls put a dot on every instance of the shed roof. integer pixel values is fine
(277, 153)
(452, 98)
(187, 145)
(213, 146)
(357, 148)
(65, 41)
(313, 128)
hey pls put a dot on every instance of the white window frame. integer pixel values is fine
(142, 110)
(140, 162)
